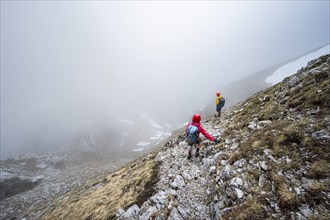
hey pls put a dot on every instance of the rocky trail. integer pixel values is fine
(185, 187)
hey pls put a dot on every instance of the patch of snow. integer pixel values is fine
(152, 122)
(159, 134)
(143, 143)
(4, 174)
(156, 137)
(291, 68)
(138, 149)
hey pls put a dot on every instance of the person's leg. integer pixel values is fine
(197, 151)
(218, 110)
(198, 146)
(189, 152)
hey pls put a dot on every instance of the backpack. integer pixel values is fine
(222, 102)
(192, 134)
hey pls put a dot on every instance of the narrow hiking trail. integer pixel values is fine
(185, 189)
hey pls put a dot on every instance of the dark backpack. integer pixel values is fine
(222, 102)
(192, 134)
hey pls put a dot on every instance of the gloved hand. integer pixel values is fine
(216, 141)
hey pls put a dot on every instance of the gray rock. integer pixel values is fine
(263, 165)
(159, 198)
(261, 180)
(216, 156)
(120, 212)
(174, 215)
(272, 159)
(288, 160)
(327, 121)
(234, 146)
(186, 175)
(182, 211)
(228, 141)
(315, 111)
(266, 98)
(240, 163)
(212, 170)
(170, 191)
(263, 123)
(160, 156)
(203, 181)
(252, 125)
(223, 162)
(178, 182)
(236, 182)
(228, 171)
(239, 193)
(294, 81)
(273, 205)
(161, 216)
(306, 211)
(131, 213)
(298, 216)
(148, 213)
(268, 151)
(322, 134)
(208, 162)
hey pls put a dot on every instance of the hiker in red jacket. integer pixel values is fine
(193, 130)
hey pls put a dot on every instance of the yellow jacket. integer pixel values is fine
(217, 100)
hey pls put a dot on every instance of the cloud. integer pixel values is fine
(67, 67)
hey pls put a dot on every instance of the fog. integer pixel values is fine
(73, 67)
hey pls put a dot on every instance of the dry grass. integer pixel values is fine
(286, 199)
(319, 169)
(131, 184)
(317, 187)
(233, 157)
(251, 209)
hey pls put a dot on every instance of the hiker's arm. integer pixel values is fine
(185, 133)
(207, 135)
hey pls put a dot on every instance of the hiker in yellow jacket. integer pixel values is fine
(220, 102)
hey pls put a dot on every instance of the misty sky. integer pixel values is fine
(69, 66)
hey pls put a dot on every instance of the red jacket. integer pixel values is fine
(201, 130)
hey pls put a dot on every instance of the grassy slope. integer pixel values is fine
(288, 136)
(102, 197)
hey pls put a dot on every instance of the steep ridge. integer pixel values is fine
(239, 90)
(273, 163)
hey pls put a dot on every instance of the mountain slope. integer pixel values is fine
(241, 89)
(273, 163)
